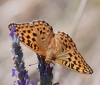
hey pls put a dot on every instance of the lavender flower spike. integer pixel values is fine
(19, 70)
(12, 32)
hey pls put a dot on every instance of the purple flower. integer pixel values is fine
(32, 82)
(13, 72)
(27, 77)
(19, 71)
(20, 83)
(12, 32)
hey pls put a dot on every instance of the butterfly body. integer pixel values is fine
(39, 37)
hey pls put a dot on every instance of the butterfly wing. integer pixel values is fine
(45, 33)
(36, 35)
(74, 61)
(68, 56)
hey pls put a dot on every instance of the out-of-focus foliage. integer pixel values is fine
(61, 15)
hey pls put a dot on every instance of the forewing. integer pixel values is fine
(73, 60)
(45, 32)
(36, 35)
(67, 55)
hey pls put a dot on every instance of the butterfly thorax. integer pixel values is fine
(49, 56)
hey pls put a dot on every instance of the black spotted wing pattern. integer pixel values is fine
(39, 37)
(69, 57)
(36, 35)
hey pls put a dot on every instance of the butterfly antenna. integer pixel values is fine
(32, 64)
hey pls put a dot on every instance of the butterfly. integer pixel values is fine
(59, 47)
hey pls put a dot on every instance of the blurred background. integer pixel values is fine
(78, 18)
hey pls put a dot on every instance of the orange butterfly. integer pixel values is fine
(39, 37)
